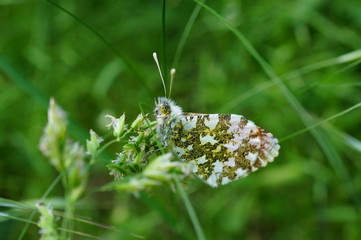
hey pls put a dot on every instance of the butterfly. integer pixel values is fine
(221, 147)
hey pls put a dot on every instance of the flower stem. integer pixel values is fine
(192, 214)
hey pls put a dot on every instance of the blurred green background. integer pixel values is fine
(311, 191)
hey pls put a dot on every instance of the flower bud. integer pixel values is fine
(137, 122)
(117, 124)
(92, 145)
(54, 136)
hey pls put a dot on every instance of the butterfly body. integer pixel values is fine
(221, 147)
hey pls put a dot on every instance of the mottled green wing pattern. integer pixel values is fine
(222, 147)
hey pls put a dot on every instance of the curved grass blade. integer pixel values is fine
(354, 57)
(110, 46)
(320, 122)
(23, 83)
(186, 33)
(320, 136)
(192, 214)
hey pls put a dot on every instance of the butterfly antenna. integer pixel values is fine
(172, 73)
(160, 72)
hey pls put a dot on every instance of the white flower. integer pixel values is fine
(117, 124)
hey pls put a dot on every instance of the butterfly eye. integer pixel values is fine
(165, 109)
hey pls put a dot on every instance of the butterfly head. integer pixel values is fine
(166, 109)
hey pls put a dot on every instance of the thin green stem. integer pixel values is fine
(164, 41)
(68, 220)
(32, 215)
(107, 145)
(321, 122)
(2, 214)
(185, 34)
(129, 65)
(192, 214)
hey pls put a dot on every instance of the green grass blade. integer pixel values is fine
(22, 83)
(185, 34)
(321, 122)
(354, 57)
(43, 198)
(164, 42)
(192, 214)
(320, 136)
(129, 65)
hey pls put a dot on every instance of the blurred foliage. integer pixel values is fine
(311, 191)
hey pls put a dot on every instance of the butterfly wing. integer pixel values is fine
(222, 147)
